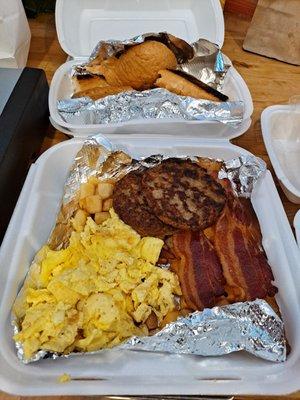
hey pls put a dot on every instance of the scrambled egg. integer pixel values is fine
(64, 378)
(95, 293)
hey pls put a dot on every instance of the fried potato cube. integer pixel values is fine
(79, 220)
(82, 203)
(151, 321)
(170, 317)
(93, 204)
(107, 204)
(101, 217)
(105, 190)
(86, 189)
(93, 180)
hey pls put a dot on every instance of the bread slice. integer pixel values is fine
(175, 82)
(87, 82)
(97, 93)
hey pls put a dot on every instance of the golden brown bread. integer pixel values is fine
(138, 66)
(99, 92)
(181, 86)
(87, 82)
(93, 69)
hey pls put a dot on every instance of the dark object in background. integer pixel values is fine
(35, 7)
(23, 124)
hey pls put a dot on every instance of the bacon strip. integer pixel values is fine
(198, 268)
(237, 242)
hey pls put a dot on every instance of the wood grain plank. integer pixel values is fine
(243, 7)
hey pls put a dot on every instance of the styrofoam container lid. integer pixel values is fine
(280, 128)
(80, 24)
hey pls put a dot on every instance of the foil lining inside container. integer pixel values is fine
(243, 173)
(202, 60)
(208, 65)
(149, 104)
(250, 326)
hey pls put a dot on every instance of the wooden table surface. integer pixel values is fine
(270, 82)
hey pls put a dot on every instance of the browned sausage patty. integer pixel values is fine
(130, 204)
(182, 194)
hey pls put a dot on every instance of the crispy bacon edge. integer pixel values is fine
(198, 268)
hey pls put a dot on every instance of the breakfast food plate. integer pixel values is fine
(100, 21)
(80, 24)
(137, 373)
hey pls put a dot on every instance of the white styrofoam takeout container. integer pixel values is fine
(281, 132)
(297, 225)
(81, 24)
(140, 373)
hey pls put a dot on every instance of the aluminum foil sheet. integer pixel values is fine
(250, 326)
(208, 65)
(243, 173)
(149, 104)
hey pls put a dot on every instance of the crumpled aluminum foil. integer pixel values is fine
(208, 65)
(149, 104)
(243, 173)
(250, 326)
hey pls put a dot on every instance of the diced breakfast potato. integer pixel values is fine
(93, 180)
(82, 203)
(170, 317)
(101, 217)
(105, 189)
(79, 220)
(107, 204)
(151, 321)
(87, 189)
(93, 204)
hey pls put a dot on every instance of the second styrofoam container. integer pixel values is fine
(281, 132)
(81, 24)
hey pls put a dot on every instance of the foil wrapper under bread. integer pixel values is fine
(249, 326)
(149, 104)
(207, 65)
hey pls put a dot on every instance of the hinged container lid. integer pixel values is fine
(80, 24)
